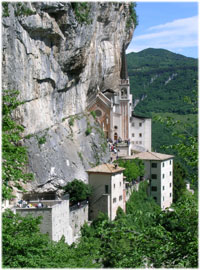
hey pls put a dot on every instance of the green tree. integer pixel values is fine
(14, 154)
(78, 190)
(133, 168)
(23, 244)
(187, 146)
(179, 183)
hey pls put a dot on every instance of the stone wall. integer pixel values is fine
(78, 216)
(45, 213)
(55, 219)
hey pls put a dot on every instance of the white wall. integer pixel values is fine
(104, 202)
(142, 134)
(77, 218)
(116, 193)
(167, 183)
(55, 219)
(99, 201)
(60, 222)
(163, 197)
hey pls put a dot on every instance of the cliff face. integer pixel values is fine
(56, 61)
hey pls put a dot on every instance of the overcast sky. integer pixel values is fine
(167, 25)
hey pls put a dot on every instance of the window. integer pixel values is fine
(140, 142)
(170, 173)
(106, 189)
(170, 162)
(155, 198)
(153, 165)
(114, 185)
(153, 188)
(98, 113)
(163, 188)
(163, 176)
(170, 195)
(170, 185)
(120, 184)
(115, 127)
(140, 134)
(140, 124)
(120, 197)
(163, 198)
(132, 124)
(133, 135)
(163, 164)
(154, 176)
(114, 200)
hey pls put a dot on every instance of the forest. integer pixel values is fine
(165, 84)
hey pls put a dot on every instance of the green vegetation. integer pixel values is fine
(162, 79)
(29, 136)
(23, 10)
(143, 237)
(5, 11)
(41, 140)
(133, 18)
(14, 155)
(88, 129)
(133, 168)
(71, 121)
(77, 190)
(82, 11)
(80, 156)
(179, 183)
(93, 113)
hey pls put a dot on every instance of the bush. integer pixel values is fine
(78, 190)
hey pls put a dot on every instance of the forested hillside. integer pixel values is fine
(161, 79)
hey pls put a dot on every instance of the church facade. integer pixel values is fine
(115, 114)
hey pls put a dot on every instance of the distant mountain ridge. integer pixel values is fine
(160, 80)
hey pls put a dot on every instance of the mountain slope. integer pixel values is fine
(160, 80)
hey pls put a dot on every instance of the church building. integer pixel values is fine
(115, 114)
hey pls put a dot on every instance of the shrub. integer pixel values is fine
(78, 190)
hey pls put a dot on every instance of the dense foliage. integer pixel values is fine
(78, 191)
(133, 168)
(144, 236)
(14, 154)
(162, 79)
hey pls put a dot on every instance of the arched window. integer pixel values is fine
(98, 113)
(115, 127)
(115, 136)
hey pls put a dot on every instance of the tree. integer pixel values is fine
(187, 146)
(78, 190)
(14, 155)
(133, 168)
(179, 183)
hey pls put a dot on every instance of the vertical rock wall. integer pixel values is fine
(56, 62)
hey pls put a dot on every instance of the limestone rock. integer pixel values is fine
(56, 62)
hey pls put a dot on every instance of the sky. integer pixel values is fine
(167, 25)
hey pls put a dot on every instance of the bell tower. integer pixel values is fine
(124, 97)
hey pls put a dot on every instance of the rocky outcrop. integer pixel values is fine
(56, 57)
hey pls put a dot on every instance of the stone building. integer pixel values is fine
(113, 108)
(159, 171)
(55, 218)
(108, 190)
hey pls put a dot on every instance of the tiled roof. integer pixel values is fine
(149, 156)
(106, 168)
